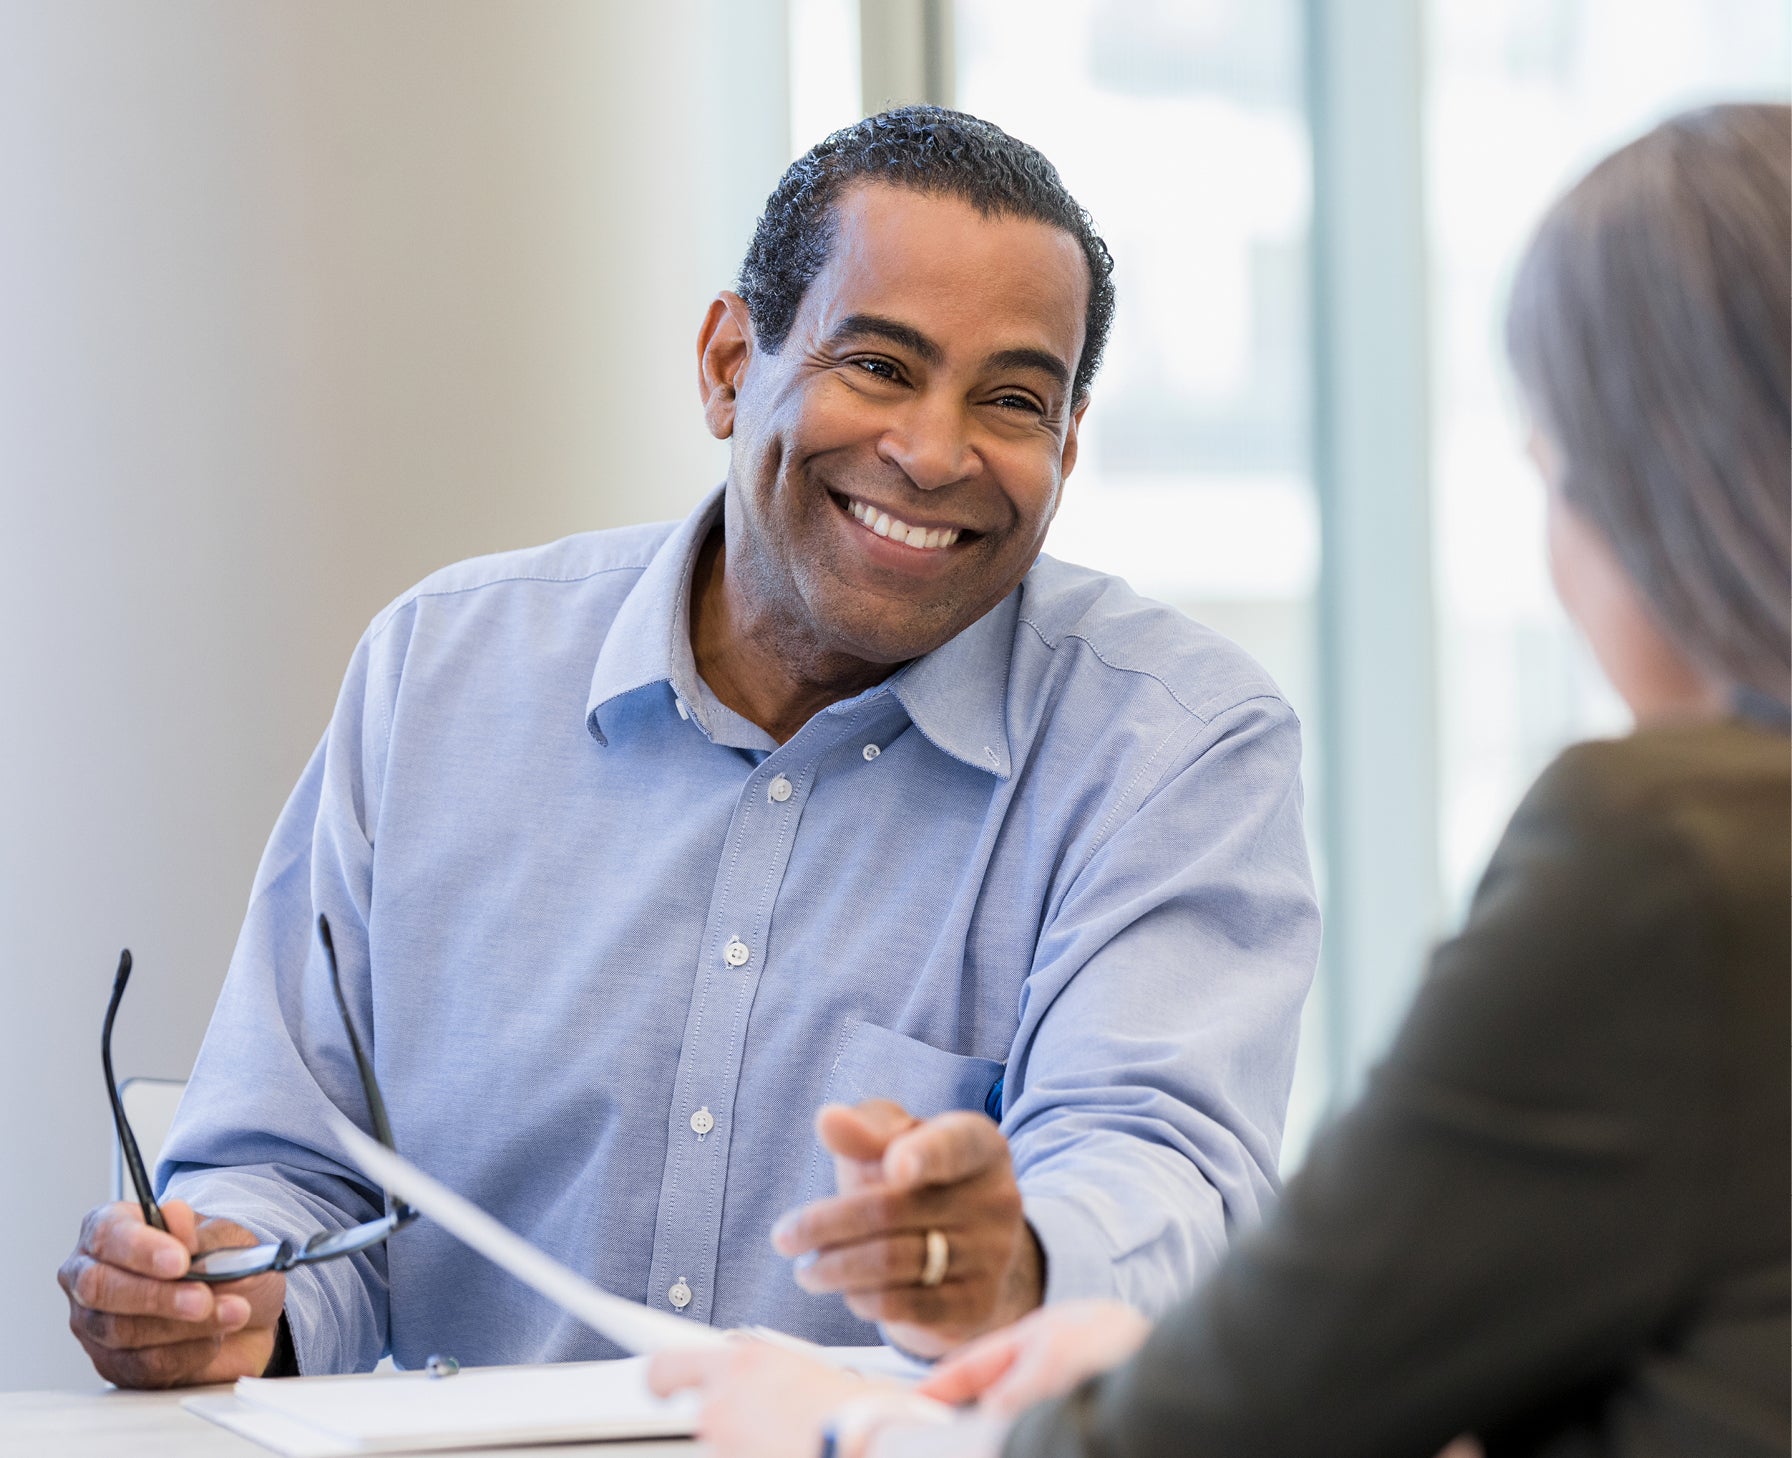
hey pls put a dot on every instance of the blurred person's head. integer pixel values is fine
(1650, 336)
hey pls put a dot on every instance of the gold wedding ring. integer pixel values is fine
(939, 1255)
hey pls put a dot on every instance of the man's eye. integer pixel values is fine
(884, 369)
(1020, 402)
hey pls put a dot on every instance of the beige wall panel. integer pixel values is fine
(298, 301)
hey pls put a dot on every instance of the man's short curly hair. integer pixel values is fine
(929, 150)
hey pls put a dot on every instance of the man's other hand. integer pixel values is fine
(900, 1177)
(142, 1325)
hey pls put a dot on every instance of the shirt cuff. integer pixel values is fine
(1077, 1263)
(313, 1293)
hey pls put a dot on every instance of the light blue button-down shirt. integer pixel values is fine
(614, 946)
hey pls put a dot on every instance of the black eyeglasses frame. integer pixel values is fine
(235, 1263)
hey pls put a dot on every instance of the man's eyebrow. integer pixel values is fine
(858, 326)
(1031, 359)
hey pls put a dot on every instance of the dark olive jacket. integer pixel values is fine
(1558, 1218)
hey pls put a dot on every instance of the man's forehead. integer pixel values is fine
(901, 253)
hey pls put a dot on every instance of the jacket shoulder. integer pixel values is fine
(1678, 783)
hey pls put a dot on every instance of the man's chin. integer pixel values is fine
(875, 624)
(893, 644)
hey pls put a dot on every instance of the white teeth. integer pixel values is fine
(925, 539)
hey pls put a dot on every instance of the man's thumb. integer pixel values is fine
(183, 1224)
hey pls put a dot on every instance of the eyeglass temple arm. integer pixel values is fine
(376, 1106)
(127, 1141)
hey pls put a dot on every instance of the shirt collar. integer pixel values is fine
(649, 640)
(957, 695)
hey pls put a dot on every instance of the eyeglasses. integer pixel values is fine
(236, 1262)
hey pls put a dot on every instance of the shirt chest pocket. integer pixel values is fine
(875, 1063)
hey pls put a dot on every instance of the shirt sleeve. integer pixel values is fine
(251, 1141)
(1145, 1097)
(1496, 1225)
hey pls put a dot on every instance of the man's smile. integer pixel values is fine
(921, 538)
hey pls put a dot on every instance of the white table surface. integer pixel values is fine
(105, 1423)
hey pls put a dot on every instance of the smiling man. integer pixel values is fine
(644, 847)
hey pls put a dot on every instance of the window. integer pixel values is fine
(1184, 126)
(824, 70)
(1522, 98)
(1182, 129)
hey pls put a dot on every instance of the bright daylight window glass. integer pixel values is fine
(1182, 129)
(824, 70)
(1523, 97)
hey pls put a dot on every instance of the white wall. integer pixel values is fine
(298, 300)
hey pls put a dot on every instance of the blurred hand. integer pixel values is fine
(899, 1177)
(1042, 1355)
(143, 1326)
(759, 1401)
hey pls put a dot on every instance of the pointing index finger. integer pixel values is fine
(845, 1219)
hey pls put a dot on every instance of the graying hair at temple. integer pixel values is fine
(1650, 335)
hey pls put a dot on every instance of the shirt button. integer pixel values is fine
(871, 751)
(778, 790)
(735, 954)
(683, 712)
(702, 1121)
(680, 1294)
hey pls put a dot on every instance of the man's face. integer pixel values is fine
(896, 464)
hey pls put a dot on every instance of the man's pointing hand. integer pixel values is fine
(901, 1178)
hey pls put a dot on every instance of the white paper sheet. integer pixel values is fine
(411, 1412)
(285, 1416)
(275, 1432)
(632, 1326)
(479, 1407)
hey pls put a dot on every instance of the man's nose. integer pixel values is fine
(931, 444)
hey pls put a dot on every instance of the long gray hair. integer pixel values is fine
(1650, 329)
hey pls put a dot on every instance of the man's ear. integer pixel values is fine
(724, 345)
(1067, 460)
